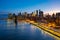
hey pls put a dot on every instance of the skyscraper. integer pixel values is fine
(40, 13)
(36, 12)
(58, 18)
(19, 14)
(58, 14)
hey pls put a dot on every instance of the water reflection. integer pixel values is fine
(33, 28)
(10, 24)
(21, 26)
(23, 31)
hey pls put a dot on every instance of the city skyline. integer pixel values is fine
(47, 6)
(29, 19)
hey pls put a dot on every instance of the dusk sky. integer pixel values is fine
(47, 6)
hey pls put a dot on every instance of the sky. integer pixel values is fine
(47, 6)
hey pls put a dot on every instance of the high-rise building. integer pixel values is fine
(31, 14)
(25, 13)
(19, 14)
(53, 15)
(58, 18)
(36, 12)
(53, 18)
(58, 14)
(40, 13)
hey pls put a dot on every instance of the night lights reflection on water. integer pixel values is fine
(23, 31)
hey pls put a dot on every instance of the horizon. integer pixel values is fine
(16, 6)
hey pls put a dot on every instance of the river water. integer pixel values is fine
(23, 31)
